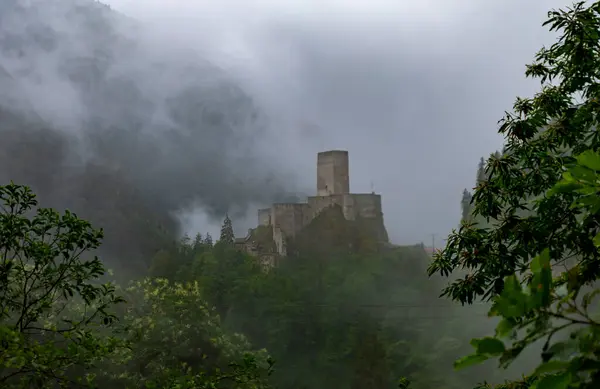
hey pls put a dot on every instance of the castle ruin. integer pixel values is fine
(285, 220)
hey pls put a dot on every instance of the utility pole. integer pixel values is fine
(433, 242)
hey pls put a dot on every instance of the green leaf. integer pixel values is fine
(511, 285)
(469, 360)
(512, 302)
(589, 159)
(583, 173)
(565, 187)
(542, 261)
(557, 381)
(597, 240)
(541, 282)
(550, 366)
(489, 346)
(504, 327)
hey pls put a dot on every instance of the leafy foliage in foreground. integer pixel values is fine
(177, 341)
(42, 272)
(540, 267)
(59, 327)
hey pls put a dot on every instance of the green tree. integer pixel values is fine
(164, 264)
(43, 274)
(208, 240)
(481, 175)
(538, 267)
(227, 237)
(465, 204)
(198, 241)
(177, 341)
(333, 315)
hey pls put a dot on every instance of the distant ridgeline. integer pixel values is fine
(333, 219)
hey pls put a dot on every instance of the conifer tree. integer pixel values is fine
(208, 240)
(481, 171)
(198, 241)
(466, 205)
(227, 236)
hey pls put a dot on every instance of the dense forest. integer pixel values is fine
(208, 314)
(198, 313)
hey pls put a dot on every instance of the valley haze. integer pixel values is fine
(412, 90)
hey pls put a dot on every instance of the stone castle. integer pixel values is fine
(282, 221)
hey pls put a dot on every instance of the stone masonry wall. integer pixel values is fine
(280, 241)
(289, 217)
(333, 188)
(367, 205)
(318, 203)
(333, 173)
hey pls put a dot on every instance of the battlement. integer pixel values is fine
(332, 153)
(288, 205)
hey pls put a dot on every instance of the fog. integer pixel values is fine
(412, 89)
(209, 108)
(175, 113)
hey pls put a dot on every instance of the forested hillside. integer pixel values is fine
(333, 317)
(96, 117)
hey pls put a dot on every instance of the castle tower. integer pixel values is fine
(332, 173)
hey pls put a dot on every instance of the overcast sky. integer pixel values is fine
(413, 89)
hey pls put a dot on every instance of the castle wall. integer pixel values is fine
(367, 205)
(318, 203)
(280, 243)
(333, 188)
(264, 217)
(290, 217)
(333, 173)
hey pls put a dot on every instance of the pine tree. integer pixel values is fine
(466, 205)
(185, 245)
(198, 241)
(481, 171)
(208, 240)
(227, 236)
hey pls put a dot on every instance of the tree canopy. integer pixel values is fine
(536, 257)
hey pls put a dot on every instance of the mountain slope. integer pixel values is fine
(98, 117)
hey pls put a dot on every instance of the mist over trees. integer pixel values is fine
(134, 305)
(98, 115)
(208, 314)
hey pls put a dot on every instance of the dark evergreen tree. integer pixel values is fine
(466, 205)
(481, 171)
(208, 240)
(227, 236)
(185, 240)
(198, 241)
